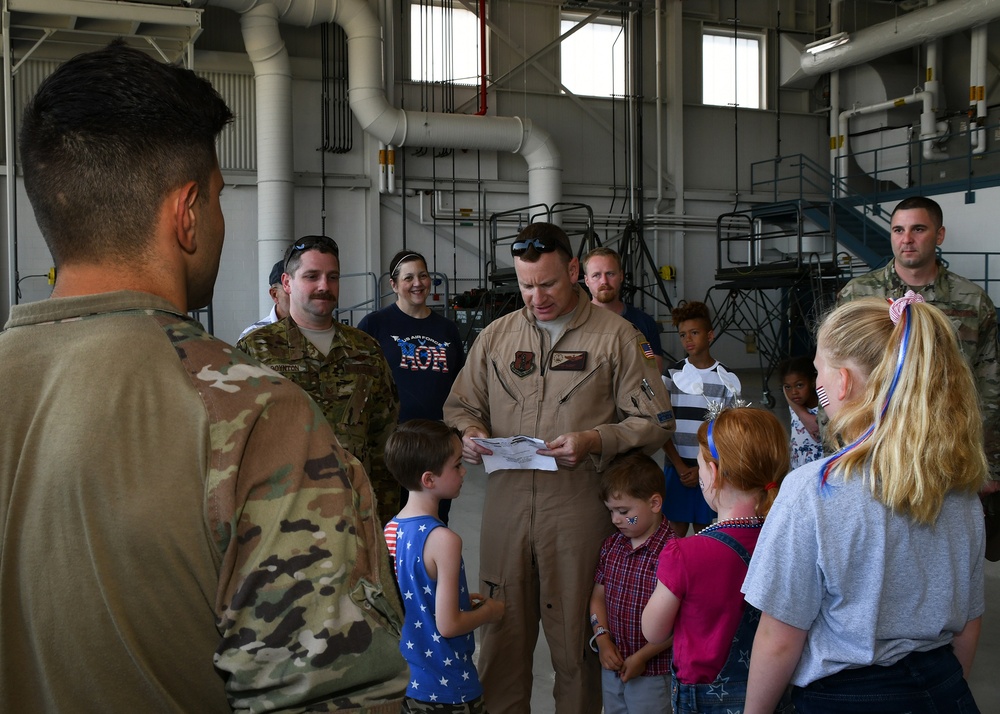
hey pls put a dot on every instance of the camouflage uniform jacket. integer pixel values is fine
(181, 530)
(975, 319)
(352, 385)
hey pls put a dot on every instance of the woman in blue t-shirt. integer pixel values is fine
(423, 347)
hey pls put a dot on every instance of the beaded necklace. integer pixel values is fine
(741, 522)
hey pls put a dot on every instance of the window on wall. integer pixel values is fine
(444, 43)
(592, 59)
(732, 71)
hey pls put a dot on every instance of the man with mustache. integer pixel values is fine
(602, 271)
(340, 366)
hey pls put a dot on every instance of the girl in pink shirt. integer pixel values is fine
(742, 457)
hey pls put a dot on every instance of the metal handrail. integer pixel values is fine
(363, 305)
(798, 176)
(985, 279)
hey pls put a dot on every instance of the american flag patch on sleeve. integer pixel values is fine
(647, 350)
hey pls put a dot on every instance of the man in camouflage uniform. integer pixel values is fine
(340, 366)
(181, 530)
(916, 229)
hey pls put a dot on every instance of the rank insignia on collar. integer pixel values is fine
(523, 364)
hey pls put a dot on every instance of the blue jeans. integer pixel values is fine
(639, 695)
(921, 683)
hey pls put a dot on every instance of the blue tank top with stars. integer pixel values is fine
(441, 668)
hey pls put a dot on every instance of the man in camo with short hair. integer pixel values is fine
(181, 530)
(339, 366)
(916, 230)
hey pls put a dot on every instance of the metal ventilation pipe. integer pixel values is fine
(367, 97)
(914, 28)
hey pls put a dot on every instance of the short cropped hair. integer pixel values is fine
(295, 258)
(928, 204)
(417, 446)
(547, 232)
(691, 311)
(105, 138)
(797, 365)
(634, 475)
(602, 252)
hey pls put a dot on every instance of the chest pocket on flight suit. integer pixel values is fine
(506, 383)
(587, 377)
(583, 402)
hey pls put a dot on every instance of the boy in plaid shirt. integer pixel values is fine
(635, 675)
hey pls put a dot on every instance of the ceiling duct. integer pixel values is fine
(800, 68)
(370, 106)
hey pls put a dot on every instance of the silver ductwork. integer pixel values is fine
(368, 101)
(800, 68)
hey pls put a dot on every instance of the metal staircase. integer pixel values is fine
(851, 218)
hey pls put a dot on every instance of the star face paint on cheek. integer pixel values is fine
(632, 520)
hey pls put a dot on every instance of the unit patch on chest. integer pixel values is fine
(523, 364)
(568, 361)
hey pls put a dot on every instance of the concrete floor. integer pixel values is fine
(465, 517)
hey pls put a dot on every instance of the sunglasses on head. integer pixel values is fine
(542, 244)
(308, 242)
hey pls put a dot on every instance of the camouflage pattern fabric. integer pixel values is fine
(975, 319)
(353, 387)
(291, 561)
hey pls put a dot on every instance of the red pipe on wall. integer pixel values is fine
(482, 59)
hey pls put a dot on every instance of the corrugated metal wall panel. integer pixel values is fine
(237, 143)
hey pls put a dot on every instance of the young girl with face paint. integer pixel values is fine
(869, 571)
(742, 457)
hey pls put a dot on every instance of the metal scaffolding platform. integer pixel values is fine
(777, 276)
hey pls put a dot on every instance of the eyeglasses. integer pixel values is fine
(307, 242)
(542, 244)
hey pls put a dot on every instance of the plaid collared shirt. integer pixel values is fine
(629, 578)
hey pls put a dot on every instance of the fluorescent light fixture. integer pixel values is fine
(828, 43)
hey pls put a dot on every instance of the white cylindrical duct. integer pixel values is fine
(931, 82)
(978, 92)
(366, 91)
(275, 187)
(390, 164)
(845, 116)
(835, 137)
(382, 176)
(928, 119)
(914, 28)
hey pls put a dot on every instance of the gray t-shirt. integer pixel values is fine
(869, 585)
